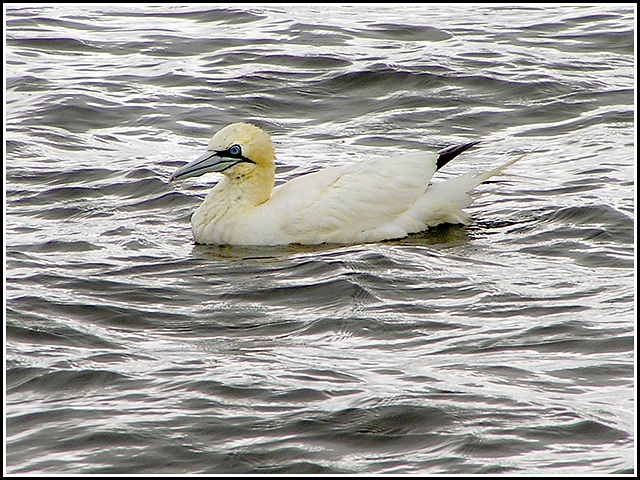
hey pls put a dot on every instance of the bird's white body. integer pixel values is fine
(368, 201)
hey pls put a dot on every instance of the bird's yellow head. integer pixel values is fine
(237, 150)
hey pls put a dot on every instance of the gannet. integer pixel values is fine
(368, 201)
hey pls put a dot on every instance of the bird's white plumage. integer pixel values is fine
(367, 201)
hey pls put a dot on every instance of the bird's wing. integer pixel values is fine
(342, 202)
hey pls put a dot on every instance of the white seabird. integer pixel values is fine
(367, 201)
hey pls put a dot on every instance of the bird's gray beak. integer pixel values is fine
(209, 162)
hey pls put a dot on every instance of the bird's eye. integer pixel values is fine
(235, 150)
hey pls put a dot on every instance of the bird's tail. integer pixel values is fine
(443, 202)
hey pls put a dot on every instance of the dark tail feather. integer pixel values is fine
(449, 153)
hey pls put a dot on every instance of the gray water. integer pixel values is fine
(504, 346)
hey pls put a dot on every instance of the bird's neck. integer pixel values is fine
(247, 187)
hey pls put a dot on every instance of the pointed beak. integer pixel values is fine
(209, 162)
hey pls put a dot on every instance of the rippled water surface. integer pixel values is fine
(504, 346)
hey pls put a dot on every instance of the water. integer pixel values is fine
(505, 346)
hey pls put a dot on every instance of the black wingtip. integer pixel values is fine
(449, 153)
